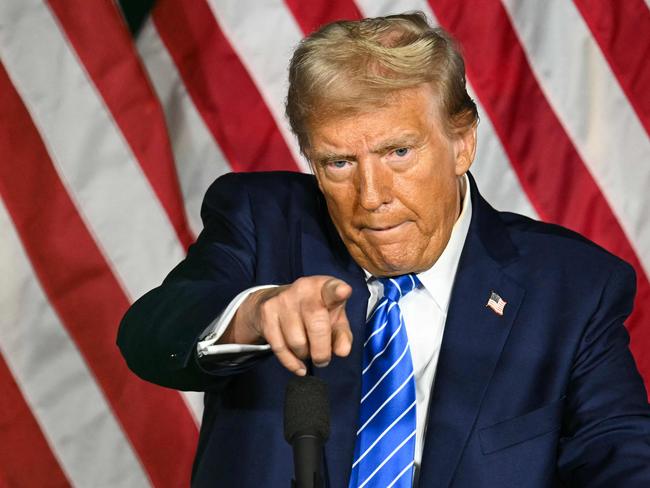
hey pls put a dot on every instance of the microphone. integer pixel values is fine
(306, 428)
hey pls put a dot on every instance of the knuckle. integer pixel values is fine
(308, 285)
(319, 352)
(295, 338)
(321, 359)
(320, 349)
(319, 329)
(301, 283)
(289, 364)
(282, 300)
(342, 326)
(279, 349)
(266, 310)
(297, 344)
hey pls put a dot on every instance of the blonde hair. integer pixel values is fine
(347, 67)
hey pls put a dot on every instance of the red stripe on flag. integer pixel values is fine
(544, 158)
(103, 43)
(86, 296)
(221, 88)
(316, 13)
(622, 30)
(27, 459)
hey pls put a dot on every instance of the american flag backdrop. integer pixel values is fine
(109, 141)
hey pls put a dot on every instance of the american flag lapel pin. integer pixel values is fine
(496, 303)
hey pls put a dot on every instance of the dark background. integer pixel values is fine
(135, 12)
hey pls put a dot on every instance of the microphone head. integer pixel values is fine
(306, 408)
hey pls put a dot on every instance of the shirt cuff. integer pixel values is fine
(207, 345)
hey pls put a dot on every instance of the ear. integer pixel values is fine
(465, 149)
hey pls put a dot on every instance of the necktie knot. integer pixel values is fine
(396, 287)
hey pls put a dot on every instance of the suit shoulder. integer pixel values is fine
(553, 244)
(268, 195)
(260, 189)
(263, 182)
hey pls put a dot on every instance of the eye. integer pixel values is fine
(337, 169)
(337, 164)
(401, 152)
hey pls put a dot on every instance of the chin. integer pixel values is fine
(396, 267)
(388, 260)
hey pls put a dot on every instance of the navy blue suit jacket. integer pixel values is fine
(545, 395)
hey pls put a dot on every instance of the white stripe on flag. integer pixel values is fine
(496, 178)
(377, 8)
(95, 163)
(594, 111)
(264, 35)
(61, 392)
(199, 160)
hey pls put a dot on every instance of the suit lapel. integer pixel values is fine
(323, 253)
(473, 339)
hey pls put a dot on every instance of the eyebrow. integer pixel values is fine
(328, 157)
(404, 141)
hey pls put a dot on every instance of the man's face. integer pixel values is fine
(391, 179)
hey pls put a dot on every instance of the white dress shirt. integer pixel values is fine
(424, 311)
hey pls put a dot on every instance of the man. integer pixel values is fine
(501, 339)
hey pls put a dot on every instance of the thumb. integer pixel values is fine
(335, 293)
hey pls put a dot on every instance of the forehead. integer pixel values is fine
(405, 115)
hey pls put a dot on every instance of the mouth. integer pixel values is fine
(383, 230)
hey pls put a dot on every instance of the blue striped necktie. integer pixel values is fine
(383, 454)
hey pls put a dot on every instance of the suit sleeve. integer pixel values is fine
(159, 333)
(607, 441)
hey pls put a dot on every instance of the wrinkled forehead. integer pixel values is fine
(421, 100)
(408, 121)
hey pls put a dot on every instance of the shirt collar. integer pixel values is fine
(439, 278)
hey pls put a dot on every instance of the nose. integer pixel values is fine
(374, 186)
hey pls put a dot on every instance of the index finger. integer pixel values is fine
(335, 292)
